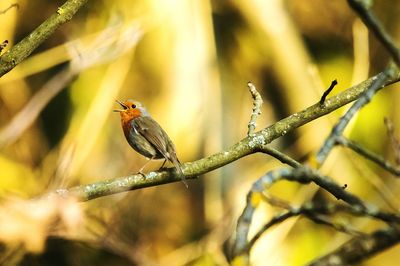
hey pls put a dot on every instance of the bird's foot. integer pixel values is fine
(141, 173)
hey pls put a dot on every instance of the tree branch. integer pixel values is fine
(257, 102)
(243, 148)
(362, 7)
(379, 160)
(382, 78)
(26, 46)
(360, 248)
(314, 212)
(302, 175)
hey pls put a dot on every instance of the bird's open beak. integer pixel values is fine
(123, 106)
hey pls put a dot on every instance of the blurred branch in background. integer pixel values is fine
(8, 8)
(110, 44)
(360, 248)
(382, 162)
(25, 47)
(393, 139)
(363, 9)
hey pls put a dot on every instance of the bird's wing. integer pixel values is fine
(153, 133)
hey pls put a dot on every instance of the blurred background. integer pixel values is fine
(188, 62)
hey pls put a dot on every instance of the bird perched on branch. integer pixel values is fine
(146, 136)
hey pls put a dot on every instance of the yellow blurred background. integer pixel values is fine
(188, 62)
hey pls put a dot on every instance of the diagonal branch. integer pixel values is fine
(246, 146)
(393, 139)
(373, 24)
(26, 46)
(8, 8)
(337, 131)
(360, 248)
(379, 160)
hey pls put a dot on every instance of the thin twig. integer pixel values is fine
(379, 160)
(393, 139)
(279, 218)
(340, 227)
(312, 212)
(307, 175)
(283, 158)
(370, 20)
(326, 93)
(257, 103)
(8, 8)
(276, 202)
(338, 129)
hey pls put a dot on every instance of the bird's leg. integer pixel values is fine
(165, 160)
(144, 166)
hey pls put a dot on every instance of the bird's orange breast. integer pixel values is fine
(126, 118)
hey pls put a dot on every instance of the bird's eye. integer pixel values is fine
(133, 106)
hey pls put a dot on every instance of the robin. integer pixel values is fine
(146, 136)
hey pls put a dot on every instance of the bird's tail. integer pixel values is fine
(178, 166)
